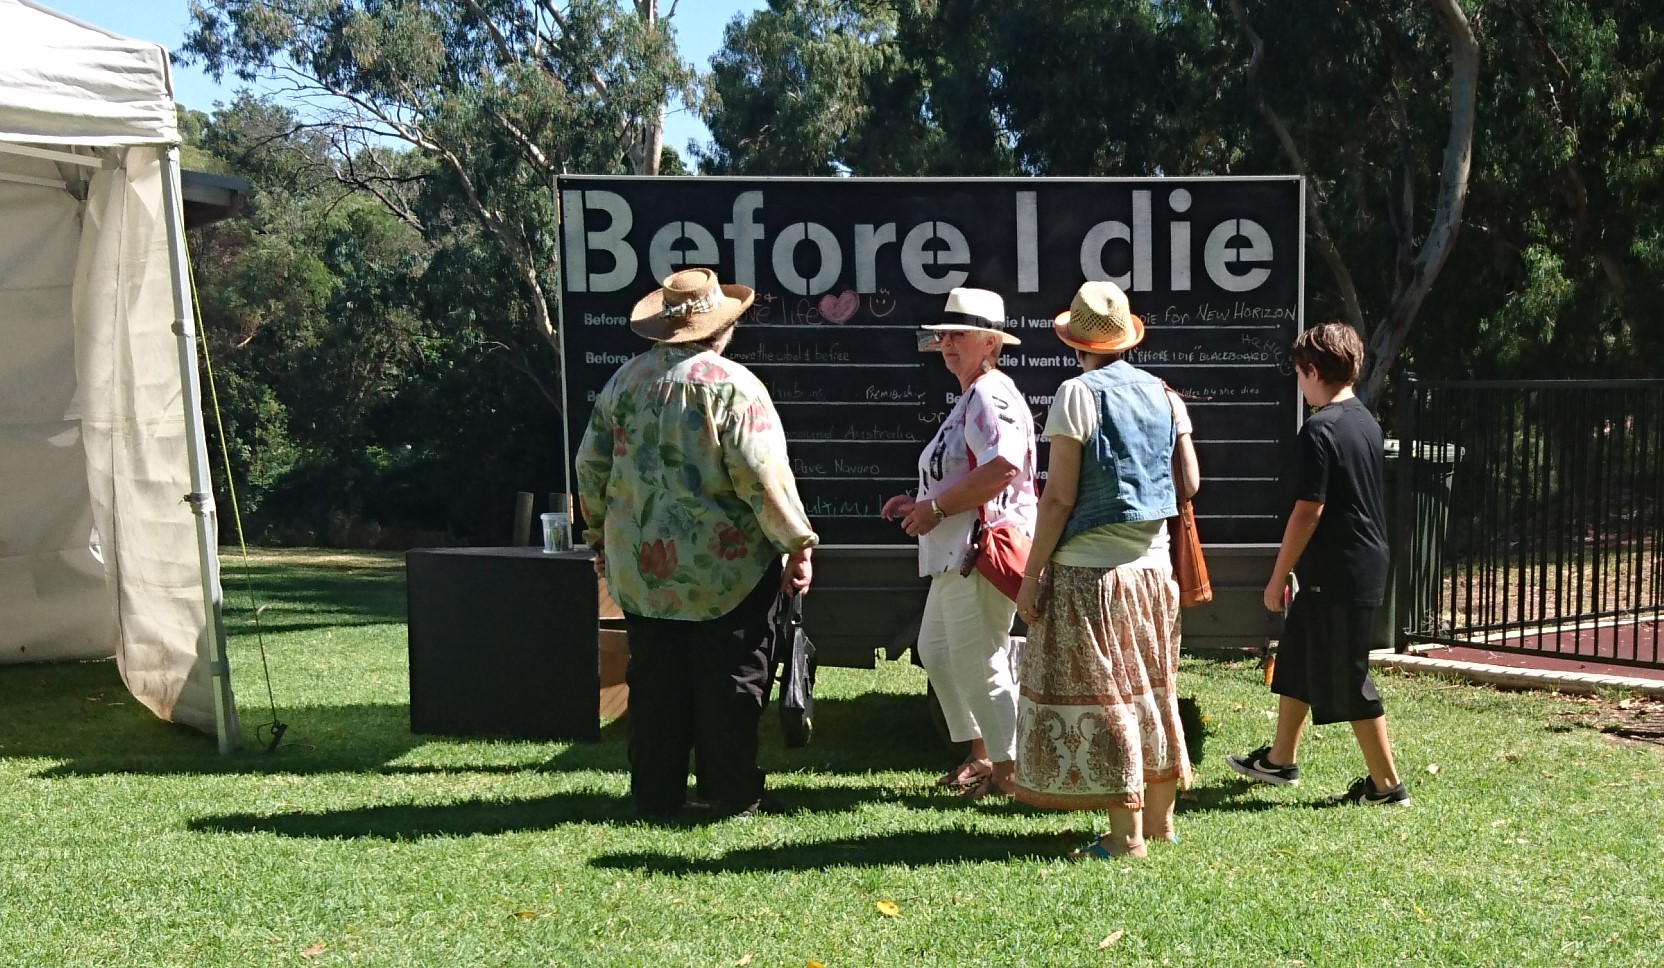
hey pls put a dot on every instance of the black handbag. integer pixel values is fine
(796, 656)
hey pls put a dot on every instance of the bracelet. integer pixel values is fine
(936, 510)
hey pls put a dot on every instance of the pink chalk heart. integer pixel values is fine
(839, 308)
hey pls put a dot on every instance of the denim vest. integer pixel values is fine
(1126, 469)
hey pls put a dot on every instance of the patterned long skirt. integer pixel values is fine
(1098, 714)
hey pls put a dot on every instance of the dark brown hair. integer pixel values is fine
(1333, 349)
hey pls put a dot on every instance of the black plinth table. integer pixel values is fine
(503, 642)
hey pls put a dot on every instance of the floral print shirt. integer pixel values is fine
(684, 483)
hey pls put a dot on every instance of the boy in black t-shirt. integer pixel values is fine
(1337, 532)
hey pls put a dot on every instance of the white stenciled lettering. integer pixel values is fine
(590, 356)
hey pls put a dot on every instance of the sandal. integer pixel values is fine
(968, 773)
(987, 786)
(1097, 851)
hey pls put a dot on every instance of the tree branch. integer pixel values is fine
(1325, 243)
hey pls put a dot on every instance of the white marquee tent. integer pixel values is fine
(107, 525)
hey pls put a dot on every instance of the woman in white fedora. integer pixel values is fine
(979, 467)
(688, 496)
(1098, 724)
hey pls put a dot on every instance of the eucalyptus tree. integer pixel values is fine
(501, 95)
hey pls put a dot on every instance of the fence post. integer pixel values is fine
(1403, 515)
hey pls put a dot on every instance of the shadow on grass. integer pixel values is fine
(80, 717)
(922, 849)
(297, 598)
(496, 816)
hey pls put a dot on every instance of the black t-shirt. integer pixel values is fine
(1341, 468)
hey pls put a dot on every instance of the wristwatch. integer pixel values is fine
(936, 510)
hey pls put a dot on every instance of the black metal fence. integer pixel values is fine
(1529, 517)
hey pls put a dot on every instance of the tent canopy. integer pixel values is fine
(68, 83)
(106, 527)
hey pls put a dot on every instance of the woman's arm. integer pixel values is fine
(1187, 475)
(1056, 502)
(975, 489)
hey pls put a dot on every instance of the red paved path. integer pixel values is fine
(1592, 643)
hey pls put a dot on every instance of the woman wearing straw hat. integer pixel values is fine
(979, 467)
(691, 504)
(1098, 724)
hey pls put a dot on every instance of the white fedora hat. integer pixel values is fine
(975, 310)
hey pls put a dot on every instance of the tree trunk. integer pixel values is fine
(1392, 333)
(649, 143)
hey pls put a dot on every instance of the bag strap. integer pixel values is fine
(1167, 393)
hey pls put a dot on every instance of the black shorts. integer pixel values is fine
(1323, 659)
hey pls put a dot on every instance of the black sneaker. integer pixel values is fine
(1258, 766)
(1363, 791)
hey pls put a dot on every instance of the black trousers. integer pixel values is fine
(700, 688)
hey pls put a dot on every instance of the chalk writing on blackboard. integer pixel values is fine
(851, 432)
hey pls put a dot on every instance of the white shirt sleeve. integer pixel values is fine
(1074, 412)
(994, 425)
(1181, 416)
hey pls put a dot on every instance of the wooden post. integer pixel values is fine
(522, 533)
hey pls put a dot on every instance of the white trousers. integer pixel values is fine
(965, 646)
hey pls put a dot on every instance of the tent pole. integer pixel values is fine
(211, 643)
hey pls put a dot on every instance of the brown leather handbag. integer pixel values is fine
(1190, 569)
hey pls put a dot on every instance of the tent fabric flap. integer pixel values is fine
(63, 82)
(130, 406)
(56, 600)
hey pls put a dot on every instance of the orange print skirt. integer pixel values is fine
(1098, 713)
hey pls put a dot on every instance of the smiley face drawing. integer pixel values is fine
(881, 303)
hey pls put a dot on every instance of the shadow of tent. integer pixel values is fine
(79, 716)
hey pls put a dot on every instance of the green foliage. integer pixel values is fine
(1563, 208)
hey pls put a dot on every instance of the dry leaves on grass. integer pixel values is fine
(1113, 937)
(313, 950)
(888, 909)
(745, 959)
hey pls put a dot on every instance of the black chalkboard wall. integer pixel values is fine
(846, 270)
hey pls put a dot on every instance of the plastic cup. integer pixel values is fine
(557, 533)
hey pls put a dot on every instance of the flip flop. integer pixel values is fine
(968, 773)
(1096, 851)
(985, 787)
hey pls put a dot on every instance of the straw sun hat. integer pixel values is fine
(691, 305)
(1099, 321)
(977, 311)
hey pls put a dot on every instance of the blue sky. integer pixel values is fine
(698, 23)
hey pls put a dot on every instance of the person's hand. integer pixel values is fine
(800, 571)
(1274, 594)
(920, 519)
(600, 562)
(1028, 600)
(897, 507)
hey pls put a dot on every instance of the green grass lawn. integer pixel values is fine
(1534, 840)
